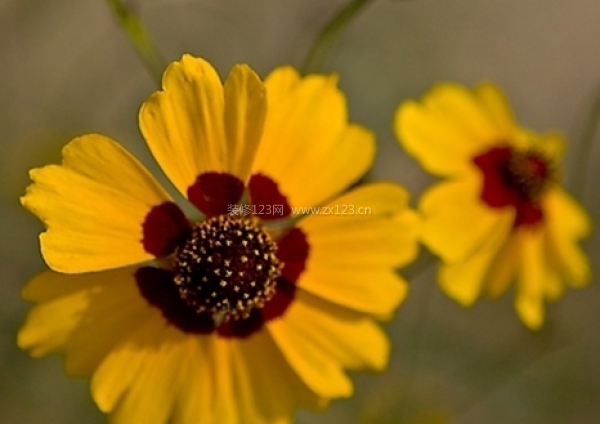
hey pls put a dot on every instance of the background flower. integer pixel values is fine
(500, 215)
(68, 69)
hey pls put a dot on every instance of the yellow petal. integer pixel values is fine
(373, 200)
(250, 401)
(438, 147)
(456, 223)
(463, 280)
(245, 110)
(83, 316)
(504, 267)
(140, 378)
(184, 124)
(352, 257)
(447, 129)
(381, 232)
(552, 145)
(281, 82)
(371, 290)
(227, 403)
(566, 222)
(268, 390)
(238, 381)
(319, 339)
(344, 163)
(321, 372)
(553, 285)
(341, 333)
(307, 131)
(94, 205)
(196, 398)
(530, 282)
(470, 115)
(497, 106)
(355, 243)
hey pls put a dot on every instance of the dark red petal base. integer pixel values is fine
(213, 192)
(267, 199)
(156, 285)
(497, 192)
(164, 228)
(293, 252)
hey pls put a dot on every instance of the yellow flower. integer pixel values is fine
(500, 215)
(233, 318)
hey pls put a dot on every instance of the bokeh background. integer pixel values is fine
(66, 68)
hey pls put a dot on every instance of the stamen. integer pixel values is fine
(516, 178)
(528, 173)
(227, 279)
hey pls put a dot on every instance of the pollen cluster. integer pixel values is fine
(528, 173)
(227, 267)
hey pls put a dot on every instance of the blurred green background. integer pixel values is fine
(66, 69)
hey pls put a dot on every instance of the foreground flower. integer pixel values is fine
(500, 215)
(229, 318)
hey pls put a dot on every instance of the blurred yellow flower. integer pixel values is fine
(232, 318)
(500, 215)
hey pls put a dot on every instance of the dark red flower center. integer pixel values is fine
(515, 178)
(225, 275)
(227, 267)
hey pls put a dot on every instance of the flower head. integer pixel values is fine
(500, 214)
(242, 315)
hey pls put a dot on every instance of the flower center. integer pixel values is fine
(515, 178)
(227, 266)
(527, 173)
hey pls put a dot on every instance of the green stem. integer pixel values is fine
(140, 39)
(329, 35)
(584, 156)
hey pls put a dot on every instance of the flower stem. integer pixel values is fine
(329, 35)
(140, 39)
(586, 147)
